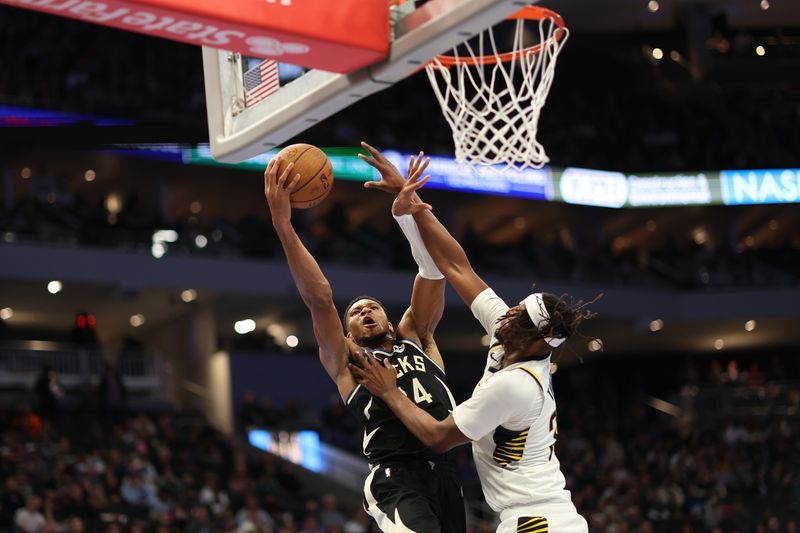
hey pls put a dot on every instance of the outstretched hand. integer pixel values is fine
(407, 201)
(391, 180)
(379, 378)
(277, 190)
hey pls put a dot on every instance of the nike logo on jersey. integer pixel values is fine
(368, 437)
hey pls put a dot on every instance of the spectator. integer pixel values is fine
(137, 491)
(112, 393)
(29, 519)
(330, 515)
(252, 517)
(213, 497)
(10, 501)
(358, 523)
(49, 392)
(200, 521)
(75, 525)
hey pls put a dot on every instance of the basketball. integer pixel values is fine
(316, 174)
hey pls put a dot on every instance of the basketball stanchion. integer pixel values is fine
(492, 99)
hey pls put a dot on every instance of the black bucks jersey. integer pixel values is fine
(423, 381)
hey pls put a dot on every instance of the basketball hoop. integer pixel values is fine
(492, 99)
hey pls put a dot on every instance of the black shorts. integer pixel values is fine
(415, 496)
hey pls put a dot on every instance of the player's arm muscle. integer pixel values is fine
(449, 257)
(316, 292)
(420, 320)
(438, 435)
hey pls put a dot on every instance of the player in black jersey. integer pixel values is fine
(409, 488)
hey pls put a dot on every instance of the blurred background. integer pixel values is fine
(158, 371)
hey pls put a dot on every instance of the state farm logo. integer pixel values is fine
(267, 46)
(169, 24)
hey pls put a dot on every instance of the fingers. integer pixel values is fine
(417, 208)
(293, 183)
(414, 162)
(371, 161)
(425, 164)
(375, 153)
(271, 165)
(420, 168)
(357, 372)
(285, 175)
(416, 183)
(367, 358)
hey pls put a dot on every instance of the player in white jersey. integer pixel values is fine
(511, 416)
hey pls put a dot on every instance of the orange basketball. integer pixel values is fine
(316, 174)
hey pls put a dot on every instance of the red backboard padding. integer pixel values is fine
(337, 36)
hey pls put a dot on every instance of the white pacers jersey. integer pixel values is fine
(511, 419)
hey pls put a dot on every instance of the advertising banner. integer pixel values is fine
(778, 186)
(580, 186)
(341, 36)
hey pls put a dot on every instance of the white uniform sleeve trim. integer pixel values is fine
(487, 308)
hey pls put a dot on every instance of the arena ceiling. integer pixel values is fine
(634, 15)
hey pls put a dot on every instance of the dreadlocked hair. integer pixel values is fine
(566, 315)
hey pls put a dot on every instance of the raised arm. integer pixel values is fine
(427, 297)
(311, 283)
(448, 255)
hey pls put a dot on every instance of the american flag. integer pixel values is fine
(261, 81)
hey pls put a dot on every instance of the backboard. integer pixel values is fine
(254, 105)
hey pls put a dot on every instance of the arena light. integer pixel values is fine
(89, 175)
(719, 344)
(773, 224)
(764, 5)
(245, 326)
(750, 325)
(201, 241)
(658, 53)
(760, 51)
(137, 320)
(165, 235)
(675, 56)
(195, 207)
(656, 325)
(189, 295)
(158, 250)
(54, 287)
(292, 341)
(595, 345)
(485, 340)
(653, 6)
(25, 173)
(160, 239)
(113, 203)
(6, 313)
(276, 331)
(699, 235)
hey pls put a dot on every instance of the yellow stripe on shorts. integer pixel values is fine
(536, 524)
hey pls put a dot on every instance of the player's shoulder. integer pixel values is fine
(518, 382)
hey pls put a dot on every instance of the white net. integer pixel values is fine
(492, 100)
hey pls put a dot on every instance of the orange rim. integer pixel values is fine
(526, 13)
